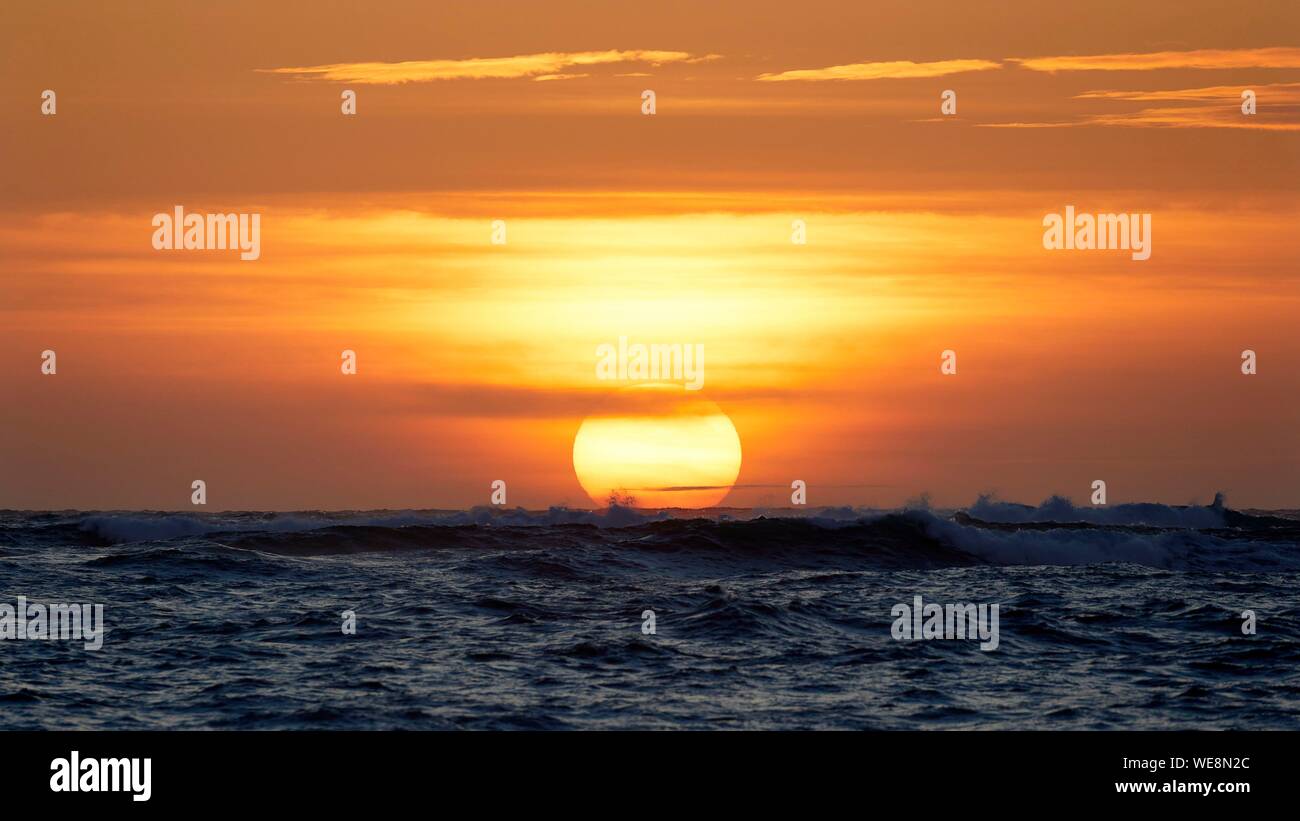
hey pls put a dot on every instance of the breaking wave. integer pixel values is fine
(1055, 532)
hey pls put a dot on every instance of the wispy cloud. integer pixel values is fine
(1208, 58)
(478, 400)
(892, 70)
(1208, 107)
(1275, 92)
(1197, 117)
(549, 65)
(1066, 124)
(1193, 117)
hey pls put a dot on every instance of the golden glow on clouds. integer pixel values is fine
(1190, 117)
(1206, 58)
(551, 64)
(1287, 93)
(1220, 107)
(889, 70)
(544, 65)
(479, 359)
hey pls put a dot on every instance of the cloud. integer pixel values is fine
(1201, 117)
(1208, 107)
(1192, 117)
(1276, 92)
(1271, 57)
(1209, 58)
(547, 64)
(1029, 125)
(893, 70)
(753, 486)
(478, 400)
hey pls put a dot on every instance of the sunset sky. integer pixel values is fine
(476, 361)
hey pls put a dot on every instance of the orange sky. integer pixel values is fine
(476, 361)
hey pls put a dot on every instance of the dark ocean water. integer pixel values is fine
(1122, 617)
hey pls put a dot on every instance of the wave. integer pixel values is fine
(988, 532)
(1061, 510)
(1164, 548)
(138, 527)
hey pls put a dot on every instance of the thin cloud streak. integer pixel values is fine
(1208, 107)
(1191, 117)
(1274, 92)
(547, 64)
(1209, 58)
(1159, 118)
(891, 70)
(1271, 57)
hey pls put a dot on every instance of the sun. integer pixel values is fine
(657, 446)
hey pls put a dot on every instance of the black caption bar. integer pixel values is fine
(140, 772)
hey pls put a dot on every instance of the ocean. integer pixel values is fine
(1124, 617)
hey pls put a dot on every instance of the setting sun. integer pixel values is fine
(672, 452)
